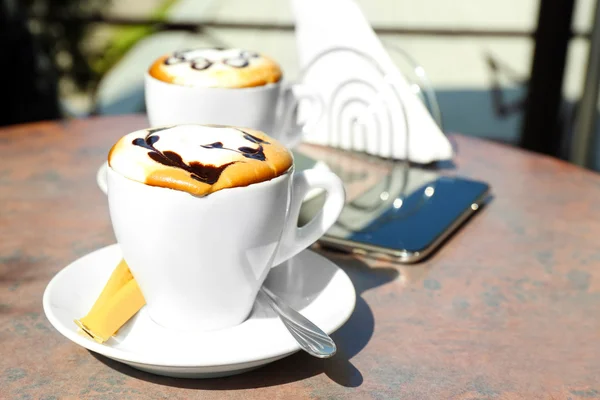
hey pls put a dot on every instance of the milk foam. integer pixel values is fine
(199, 159)
(216, 68)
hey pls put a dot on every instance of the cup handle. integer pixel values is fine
(294, 238)
(293, 94)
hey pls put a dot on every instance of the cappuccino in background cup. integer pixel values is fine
(229, 87)
(201, 214)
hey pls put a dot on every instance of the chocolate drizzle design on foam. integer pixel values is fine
(248, 152)
(205, 173)
(202, 63)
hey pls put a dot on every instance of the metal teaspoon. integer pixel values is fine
(309, 336)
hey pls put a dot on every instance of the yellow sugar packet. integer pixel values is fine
(120, 300)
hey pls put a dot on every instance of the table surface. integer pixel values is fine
(509, 307)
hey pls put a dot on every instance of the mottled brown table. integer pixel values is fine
(508, 308)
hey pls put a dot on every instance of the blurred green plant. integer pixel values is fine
(63, 40)
(124, 38)
(66, 40)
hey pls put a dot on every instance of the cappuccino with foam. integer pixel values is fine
(201, 214)
(232, 86)
(224, 68)
(199, 159)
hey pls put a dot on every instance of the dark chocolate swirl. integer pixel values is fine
(206, 173)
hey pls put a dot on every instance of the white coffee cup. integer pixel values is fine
(200, 261)
(269, 108)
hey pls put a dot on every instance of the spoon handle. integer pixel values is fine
(309, 336)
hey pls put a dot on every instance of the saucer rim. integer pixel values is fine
(127, 357)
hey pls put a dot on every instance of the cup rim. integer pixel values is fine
(271, 181)
(268, 86)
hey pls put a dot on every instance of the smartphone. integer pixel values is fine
(401, 212)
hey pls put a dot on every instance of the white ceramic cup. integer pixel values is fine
(270, 108)
(200, 261)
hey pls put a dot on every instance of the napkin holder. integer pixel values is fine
(369, 103)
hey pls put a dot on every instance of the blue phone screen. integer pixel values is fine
(413, 222)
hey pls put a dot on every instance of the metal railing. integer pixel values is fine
(539, 130)
(195, 26)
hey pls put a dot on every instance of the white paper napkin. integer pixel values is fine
(362, 111)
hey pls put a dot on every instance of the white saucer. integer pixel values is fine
(301, 161)
(309, 283)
